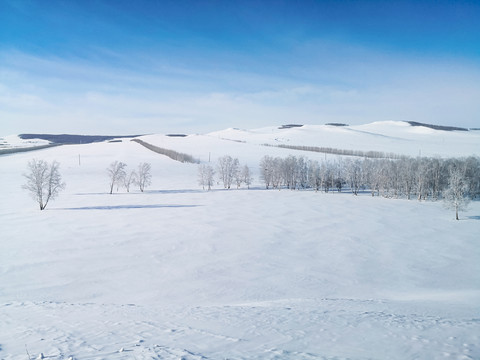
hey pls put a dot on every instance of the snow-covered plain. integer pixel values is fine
(178, 272)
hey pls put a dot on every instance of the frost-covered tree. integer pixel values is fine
(144, 176)
(353, 171)
(116, 173)
(227, 170)
(202, 175)
(266, 170)
(302, 173)
(246, 176)
(129, 179)
(472, 174)
(326, 174)
(421, 179)
(290, 172)
(407, 176)
(369, 178)
(314, 179)
(338, 175)
(455, 195)
(278, 175)
(238, 178)
(44, 181)
(206, 176)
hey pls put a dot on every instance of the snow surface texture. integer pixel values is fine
(177, 272)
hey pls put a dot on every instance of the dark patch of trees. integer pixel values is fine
(336, 124)
(172, 154)
(72, 139)
(437, 127)
(290, 126)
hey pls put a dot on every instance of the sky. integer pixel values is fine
(136, 67)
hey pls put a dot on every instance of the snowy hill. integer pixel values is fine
(397, 137)
(178, 272)
(389, 136)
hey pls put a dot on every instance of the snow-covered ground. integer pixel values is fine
(178, 272)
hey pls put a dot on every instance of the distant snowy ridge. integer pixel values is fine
(30, 142)
(392, 138)
(74, 139)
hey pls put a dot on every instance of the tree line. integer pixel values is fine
(229, 172)
(455, 180)
(422, 177)
(345, 152)
(172, 154)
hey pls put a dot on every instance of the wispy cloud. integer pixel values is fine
(143, 94)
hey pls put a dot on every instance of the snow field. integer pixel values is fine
(177, 272)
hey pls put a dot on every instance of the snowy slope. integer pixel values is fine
(388, 136)
(177, 272)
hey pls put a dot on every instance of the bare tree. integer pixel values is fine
(116, 173)
(266, 170)
(338, 175)
(246, 176)
(44, 181)
(129, 179)
(472, 174)
(277, 174)
(227, 170)
(290, 171)
(205, 176)
(238, 177)
(202, 175)
(353, 170)
(314, 175)
(302, 169)
(455, 194)
(144, 176)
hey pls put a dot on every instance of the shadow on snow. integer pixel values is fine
(122, 207)
(180, 191)
(474, 217)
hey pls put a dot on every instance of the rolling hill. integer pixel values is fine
(176, 272)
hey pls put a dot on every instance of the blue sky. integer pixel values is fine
(120, 67)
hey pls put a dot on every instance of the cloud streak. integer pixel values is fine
(144, 94)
